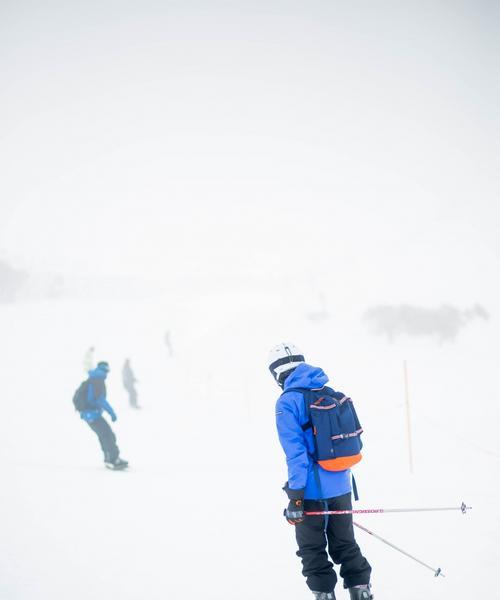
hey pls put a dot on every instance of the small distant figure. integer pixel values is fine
(129, 380)
(88, 360)
(12, 282)
(168, 343)
(90, 401)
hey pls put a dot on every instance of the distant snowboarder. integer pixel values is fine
(129, 380)
(88, 360)
(90, 401)
(310, 487)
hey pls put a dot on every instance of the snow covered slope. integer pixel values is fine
(199, 512)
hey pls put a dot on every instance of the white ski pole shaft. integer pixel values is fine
(436, 572)
(374, 511)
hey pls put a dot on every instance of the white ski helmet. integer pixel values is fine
(284, 357)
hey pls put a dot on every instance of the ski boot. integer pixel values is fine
(361, 592)
(324, 596)
(118, 465)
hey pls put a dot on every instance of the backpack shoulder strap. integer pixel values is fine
(307, 394)
(90, 390)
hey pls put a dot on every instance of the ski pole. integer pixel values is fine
(368, 511)
(436, 572)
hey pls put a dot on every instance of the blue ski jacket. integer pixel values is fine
(291, 414)
(96, 397)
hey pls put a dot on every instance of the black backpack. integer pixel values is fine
(80, 397)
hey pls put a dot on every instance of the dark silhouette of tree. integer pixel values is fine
(444, 322)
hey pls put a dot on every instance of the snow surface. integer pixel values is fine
(223, 170)
(199, 511)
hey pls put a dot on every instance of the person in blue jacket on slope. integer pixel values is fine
(95, 404)
(312, 488)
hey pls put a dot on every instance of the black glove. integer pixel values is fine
(294, 513)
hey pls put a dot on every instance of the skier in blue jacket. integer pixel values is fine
(312, 488)
(95, 404)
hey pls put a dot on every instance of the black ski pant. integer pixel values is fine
(107, 439)
(336, 533)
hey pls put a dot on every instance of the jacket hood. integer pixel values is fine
(306, 376)
(98, 374)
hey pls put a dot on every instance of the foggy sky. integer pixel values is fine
(279, 140)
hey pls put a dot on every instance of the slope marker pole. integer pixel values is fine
(408, 420)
